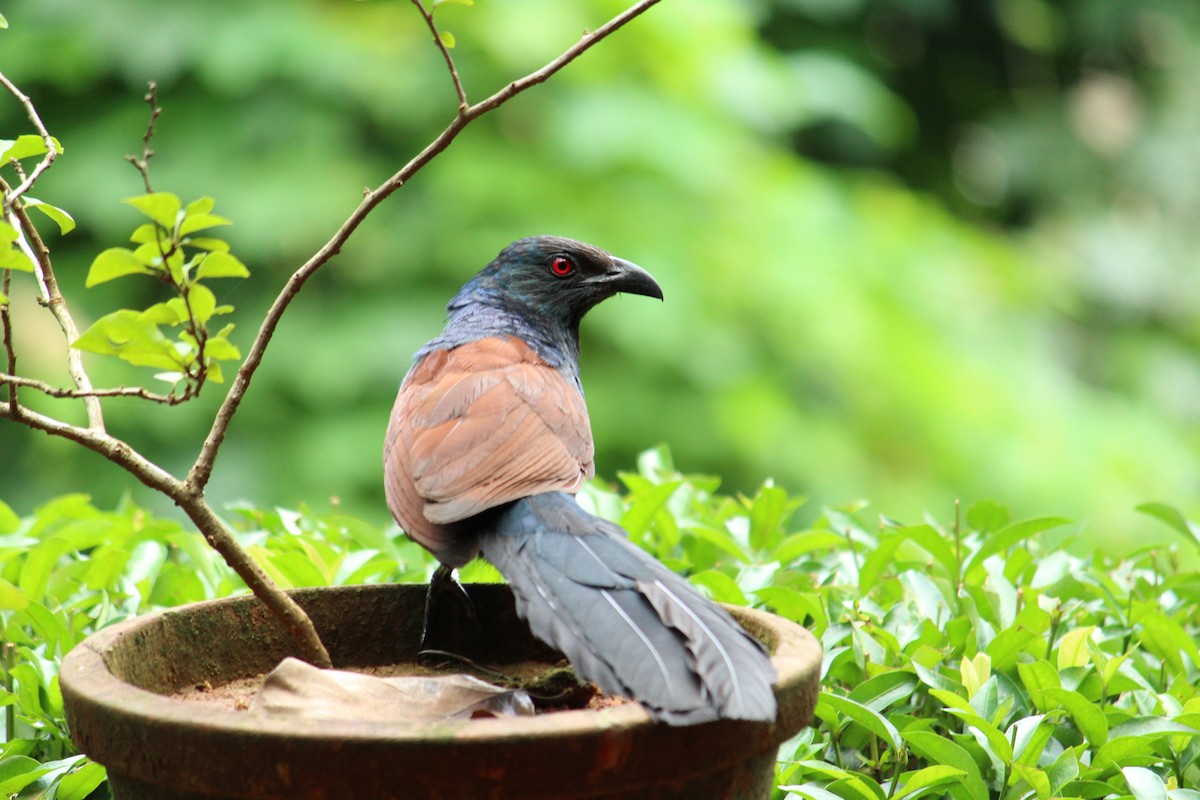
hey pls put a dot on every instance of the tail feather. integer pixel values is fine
(624, 620)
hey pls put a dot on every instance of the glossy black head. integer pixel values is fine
(556, 279)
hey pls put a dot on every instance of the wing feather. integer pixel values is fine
(478, 426)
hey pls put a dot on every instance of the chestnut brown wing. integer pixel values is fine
(480, 425)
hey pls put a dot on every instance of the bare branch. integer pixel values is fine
(194, 505)
(121, 391)
(11, 196)
(115, 450)
(202, 469)
(36, 249)
(441, 45)
(283, 607)
(143, 164)
(6, 334)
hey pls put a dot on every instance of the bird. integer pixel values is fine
(487, 444)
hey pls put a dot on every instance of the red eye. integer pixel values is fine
(562, 266)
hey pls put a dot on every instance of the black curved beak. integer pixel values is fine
(625, 276)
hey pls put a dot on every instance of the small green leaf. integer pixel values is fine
(1089, 718)
(220, 264)
(115, 262)
(12, 598)
(1073, 649)
(447, 39)
(925, 780)
(25, 146)
(975, 672)
(1172, 517)
(437, 3)
(872, 721)
(724, 589)
(162, 207)
(14, 259)
(767, 514)
(66, 223)
(81, 782)
(202, 302)
(1144, 784)
(3, 299)
(986, 516)
(4, 22)
(10, 256)
(221, 349)
(199, 222)
(942, 750)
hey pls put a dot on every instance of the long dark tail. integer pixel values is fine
(626, 622)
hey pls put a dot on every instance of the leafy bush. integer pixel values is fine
(974, 659)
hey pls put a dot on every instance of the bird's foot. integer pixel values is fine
(451, 625)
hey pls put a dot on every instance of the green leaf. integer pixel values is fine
(10, 256)
(133, 337)
(162, 207)
(82, 781)
(871, 720)
(4, 22)
(66, 223)
(14, 259)
(198, 222)
(11, 598)
(767, 513)
(1004, 539)
(799, 544)
(1088, 717)
(115, 262)
(1073, 649)
(202, 302)
(221, 349)
(1173, 518)
(962, 709)
(932, 542)
(975, 672)
(942, 750)
(437, 3)
(220, 264)
(17, 772)
(447, 39)
(925, 780)
(986, 516)
(1144, 784)
(25, 146)
(883, 690)
(723, 588)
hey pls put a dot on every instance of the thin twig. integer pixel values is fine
(143, 164)
(115, 450)
(7, 334)
(53, 300)
(11, 196)
(202, 469)
(463, 105)
(121, 391)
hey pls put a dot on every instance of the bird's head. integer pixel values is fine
(558, 279)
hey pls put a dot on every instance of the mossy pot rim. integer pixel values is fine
(141, 734)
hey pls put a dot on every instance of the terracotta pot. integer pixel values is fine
(116, 687)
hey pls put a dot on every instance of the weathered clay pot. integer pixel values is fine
(115, 686)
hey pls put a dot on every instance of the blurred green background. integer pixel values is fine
(912, 250)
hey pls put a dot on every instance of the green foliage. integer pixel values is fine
(832, 327)
(169, 251)
(970, 660)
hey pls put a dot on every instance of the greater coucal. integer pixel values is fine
(488, 442)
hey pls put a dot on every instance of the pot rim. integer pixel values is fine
(796, 656)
